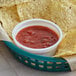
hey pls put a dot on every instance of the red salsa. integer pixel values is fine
(37, 37)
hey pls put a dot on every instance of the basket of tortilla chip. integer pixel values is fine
(61, 12)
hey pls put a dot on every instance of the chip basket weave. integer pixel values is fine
(50, 64)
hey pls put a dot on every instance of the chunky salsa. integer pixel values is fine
(37, 37)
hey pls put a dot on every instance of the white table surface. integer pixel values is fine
(10, 67)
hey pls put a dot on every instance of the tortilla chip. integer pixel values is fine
(58, 11)
(63, 14)
(9, 18)
(73, 1)
(9, 3)
(21, 1)
(34, 9)
(68, 45)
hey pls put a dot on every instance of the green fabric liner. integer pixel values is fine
(23, 56)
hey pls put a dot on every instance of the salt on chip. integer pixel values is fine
(9, 18)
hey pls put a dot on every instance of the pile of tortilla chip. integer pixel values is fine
(61, 12)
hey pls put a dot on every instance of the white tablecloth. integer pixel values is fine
(10, 67)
